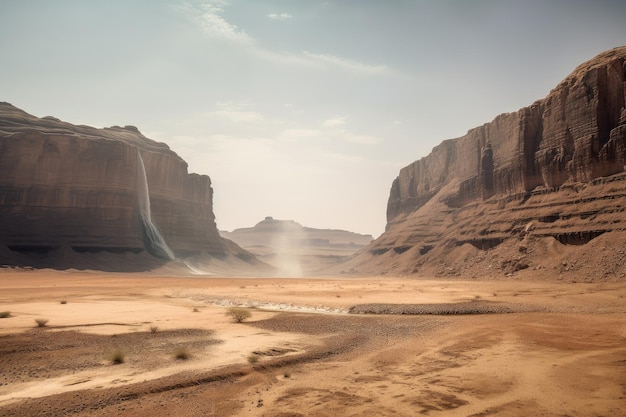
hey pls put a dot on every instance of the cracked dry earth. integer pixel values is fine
(565, 356)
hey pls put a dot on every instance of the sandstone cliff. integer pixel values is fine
(552, 170)
(77, 189)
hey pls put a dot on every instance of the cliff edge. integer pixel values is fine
(77, 196)
(532, 190)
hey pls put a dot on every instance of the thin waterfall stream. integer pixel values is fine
(153, 240)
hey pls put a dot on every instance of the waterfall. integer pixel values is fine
(153, 241)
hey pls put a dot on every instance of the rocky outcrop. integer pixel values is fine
(553, 169)
(80, 188)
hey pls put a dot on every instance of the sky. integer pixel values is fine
(298, 109)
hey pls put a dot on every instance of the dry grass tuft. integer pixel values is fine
(41, 322)
(117, 357)
(239, 314)
(182, 354)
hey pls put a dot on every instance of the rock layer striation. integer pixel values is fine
(78, 188)
(553, 169)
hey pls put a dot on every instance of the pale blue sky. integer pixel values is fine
(297, 109)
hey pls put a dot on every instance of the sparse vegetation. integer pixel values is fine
(181, 353)
(195, 310)
(117, 357)
(239, 314)
(5, 314)
(41, 322)
(154, 329)
(253, 358)
(63, 301)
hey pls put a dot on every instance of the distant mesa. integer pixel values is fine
(542, 189)
(269, 231)
(112, 199)
(305, 249)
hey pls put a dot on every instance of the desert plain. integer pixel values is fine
(321, 346)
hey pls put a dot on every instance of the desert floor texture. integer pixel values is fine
(312, 347)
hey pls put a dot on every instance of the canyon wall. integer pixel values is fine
(75, 187)
(577, 133)
(555, 168)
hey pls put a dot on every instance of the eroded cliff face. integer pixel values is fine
(553, 169)
(75, 187)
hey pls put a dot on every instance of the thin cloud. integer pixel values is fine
(334, 122)
(301, 133)
(208, 17)
(281, 16)
(235, 105)
(237, 111)
(238, 116)
(342, 157)
(361, 139)
(346, 64)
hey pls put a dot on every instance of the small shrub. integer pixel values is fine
(239, 314)
(41, 322)
(195, 310)
(253, 358)
(5, 314)
(182, 354)
(117, 357)
(154, 329)
(63, 301)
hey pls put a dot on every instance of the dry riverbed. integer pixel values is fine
(312, 347)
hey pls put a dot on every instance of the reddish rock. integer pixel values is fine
(550, 163)
(75, 187)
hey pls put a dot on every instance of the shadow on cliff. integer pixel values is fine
(236, 262)
(64, 257)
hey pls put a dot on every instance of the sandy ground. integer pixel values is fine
(560, 350)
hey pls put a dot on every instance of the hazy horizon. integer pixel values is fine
(298, 110)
